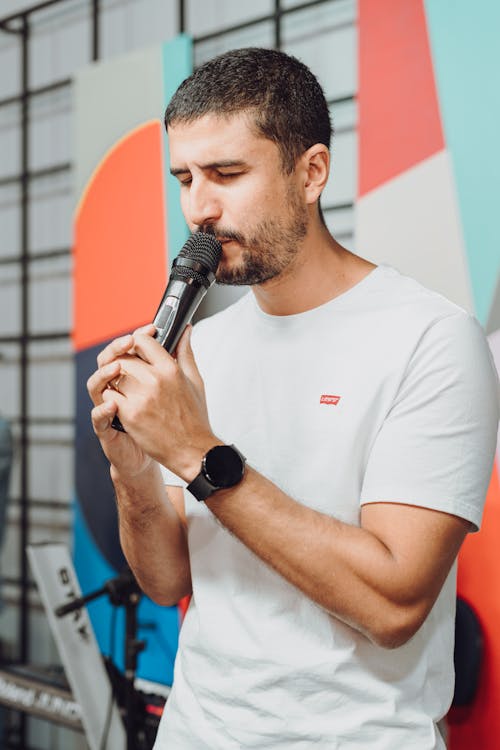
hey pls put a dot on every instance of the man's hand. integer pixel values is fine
(123, 453)
(160, 402)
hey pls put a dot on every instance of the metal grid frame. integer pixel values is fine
(19, 24)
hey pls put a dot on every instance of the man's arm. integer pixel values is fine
(152, 525)
(381, 578)
(153, 536)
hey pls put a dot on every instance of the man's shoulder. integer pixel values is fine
(409, 304)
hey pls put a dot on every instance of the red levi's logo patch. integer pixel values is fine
(326, 399)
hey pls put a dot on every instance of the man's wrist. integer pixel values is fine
(222, 467)
(190, 464)
(127, 478)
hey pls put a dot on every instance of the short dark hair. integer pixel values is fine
(287, 102)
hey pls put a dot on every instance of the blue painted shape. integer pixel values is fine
(466, 54)
(158, 626)
(93, 483)
(177, 59)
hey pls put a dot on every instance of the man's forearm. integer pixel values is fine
(382, 589)
(153, 537)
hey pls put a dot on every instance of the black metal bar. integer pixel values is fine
(95, 30)
(29, 338)
(49, 88)
(24, 363)
(277, 24)
(47, 504)
(181, 5)
(13, 581)
(260, 19)
(62, 252)
(46, 420)
(35, 174)
(4, 27)
(28, 11)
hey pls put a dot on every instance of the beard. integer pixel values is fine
(269, 249)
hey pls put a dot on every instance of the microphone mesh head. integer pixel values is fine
(204, 249)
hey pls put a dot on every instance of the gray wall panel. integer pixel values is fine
(10, 139)
(51, 472)
(50, 295)
(51, 212)
(10, 78)
(131, 24)
(61, 42)
(261, 35)
(10, 301)
(50, 131)
(206, 16)
(324, 38)
(10, 221)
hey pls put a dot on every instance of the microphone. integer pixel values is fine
(191, 276)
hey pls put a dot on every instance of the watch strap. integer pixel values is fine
(201, 488)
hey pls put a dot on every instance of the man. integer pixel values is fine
(322, 572)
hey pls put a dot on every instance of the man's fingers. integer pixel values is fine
(147, 330)
(102, 416)
(150, 350)
(115, 349)
(97, 382)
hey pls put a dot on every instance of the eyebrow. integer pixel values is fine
(211, 165)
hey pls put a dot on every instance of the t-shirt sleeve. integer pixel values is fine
(435, 448)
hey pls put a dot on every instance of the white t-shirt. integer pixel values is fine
(386, 392)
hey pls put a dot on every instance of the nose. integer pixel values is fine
(203, 205)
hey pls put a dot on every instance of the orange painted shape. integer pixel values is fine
(120, 266)
(399, 120)
(479, 584)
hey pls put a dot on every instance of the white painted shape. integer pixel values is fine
(412, 223)
(132, 87)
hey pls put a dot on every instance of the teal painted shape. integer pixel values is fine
(466, 53)
(158, 626)
(177, 57)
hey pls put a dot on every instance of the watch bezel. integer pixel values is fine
(219, 453)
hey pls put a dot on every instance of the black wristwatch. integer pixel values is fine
(222, 466)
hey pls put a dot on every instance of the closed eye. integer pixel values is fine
(228, 175)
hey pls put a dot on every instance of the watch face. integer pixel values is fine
(223, 466)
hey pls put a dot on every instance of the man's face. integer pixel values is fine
(232, 183)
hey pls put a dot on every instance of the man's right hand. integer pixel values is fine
(125, 456)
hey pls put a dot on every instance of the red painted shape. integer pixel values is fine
(399, 120)
(183, 607)
(120, 239)
(478, 726)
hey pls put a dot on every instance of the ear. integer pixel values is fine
(316, 165)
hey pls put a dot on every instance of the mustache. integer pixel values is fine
(222, 232)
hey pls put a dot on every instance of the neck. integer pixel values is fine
(321, 271)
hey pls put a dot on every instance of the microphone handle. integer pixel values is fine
(178, 305)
